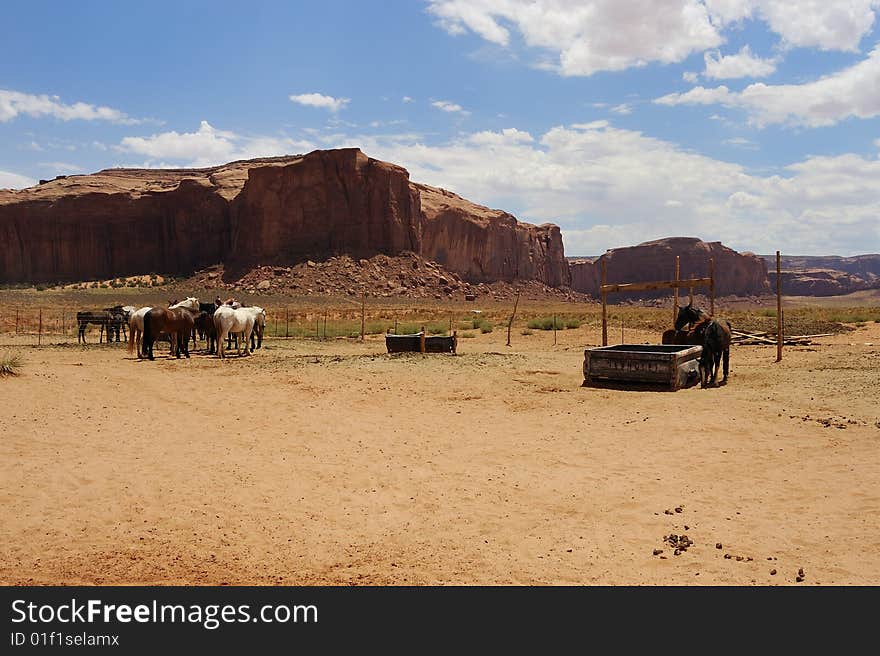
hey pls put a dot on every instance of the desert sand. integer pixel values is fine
(335, 463)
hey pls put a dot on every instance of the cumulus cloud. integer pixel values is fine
(16, 103)
(609, 187)
(742, 64)
(320, 101)
(610, 35)
(589, 36)
(825, 24)
(851, 92)
(208, 146)
(451, 107)
(9, 180)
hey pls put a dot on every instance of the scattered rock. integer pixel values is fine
(772, 572)
(718, 545)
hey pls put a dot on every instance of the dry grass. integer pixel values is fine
(10, 364)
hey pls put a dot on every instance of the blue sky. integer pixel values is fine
(753, 122)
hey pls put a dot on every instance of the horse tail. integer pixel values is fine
(148, 329)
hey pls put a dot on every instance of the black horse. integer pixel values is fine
(713, 335)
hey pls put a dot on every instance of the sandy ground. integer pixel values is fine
(334, 463)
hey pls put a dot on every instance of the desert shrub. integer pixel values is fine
(41, 288)
(526, 331)
(547, 323)
(572, 323)
(10, 365)
(467, 335)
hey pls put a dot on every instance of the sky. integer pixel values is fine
(751, 122)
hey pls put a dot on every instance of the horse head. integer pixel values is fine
(688, 314)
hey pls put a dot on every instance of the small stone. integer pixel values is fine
(727, 556)
(679, 509)
(676, 552)
(801, 573)
(799, 579)
(657, 552)
(739, 558)
(772, 572)
(718, 545)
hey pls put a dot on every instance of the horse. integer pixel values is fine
(176, 320)
(204, 322)
(209, 309)
(713, 335)
(109, 319)
(228, 320)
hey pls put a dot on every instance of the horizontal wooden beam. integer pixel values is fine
(662, 284)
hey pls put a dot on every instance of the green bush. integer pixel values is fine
(572, 323)
(547, 323)
(10, 365)
(467, 335)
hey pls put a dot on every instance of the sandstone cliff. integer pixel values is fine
(740, 274)
(822, 282)
(271, 211)
(484, 245)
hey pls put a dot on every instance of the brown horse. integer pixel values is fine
(712, 334)
(176, 321)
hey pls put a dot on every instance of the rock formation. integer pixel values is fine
(740, 274)
(822, 282)
(270, 211)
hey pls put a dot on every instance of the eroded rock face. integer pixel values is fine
(740, 274)
(483, 245)
(822, 282)
(270, 211)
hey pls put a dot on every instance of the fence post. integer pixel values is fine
(286, 322)
(675, 297)
(604, 302)
(778, 307)
(325, 325)
(40, 329)
(363, 314)
(16, 321)
(554, 330)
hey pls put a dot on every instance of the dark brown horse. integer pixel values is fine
(712, 334)
(204, 323)
(178, 322)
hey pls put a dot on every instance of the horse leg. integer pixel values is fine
(221, 344)
(726, 363)
(716, 365)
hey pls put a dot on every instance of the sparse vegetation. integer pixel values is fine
(467, 335)
(526, 331)
(10, 364)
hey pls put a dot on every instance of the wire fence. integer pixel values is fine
(53, 325)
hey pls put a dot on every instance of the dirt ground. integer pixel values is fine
(335, 463)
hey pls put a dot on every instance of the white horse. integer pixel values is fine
(136, 323)
(227, 321)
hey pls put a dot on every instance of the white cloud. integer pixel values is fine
(610, 187)
(16, 103)
(623, 109)
(690, 76)
(587, 36)
(407, 99)
(320, 101)
(209, 146)
(742, 64)
(10, 180)
(741, 142)
(826, 24)
(446, 106)
(851, 92)
(62, 168)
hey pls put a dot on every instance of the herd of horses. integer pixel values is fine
(218, 323)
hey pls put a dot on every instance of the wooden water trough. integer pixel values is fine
(420, 343)
(643, 366)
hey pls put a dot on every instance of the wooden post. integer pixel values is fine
(675, 291)
(778, 307)
(317, 326)
(16, 321)
(450, 324)
(623, 341)
(454, 341)
(395, 325)
(554, 330)
(62, 323)
(286, 322)
(712, 286)
(604, 301)
(40, 329)
(363, 314)
(422, 340)
(512, 315)
(325, 325)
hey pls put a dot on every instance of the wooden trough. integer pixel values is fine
(420, 343)
(657, 366)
